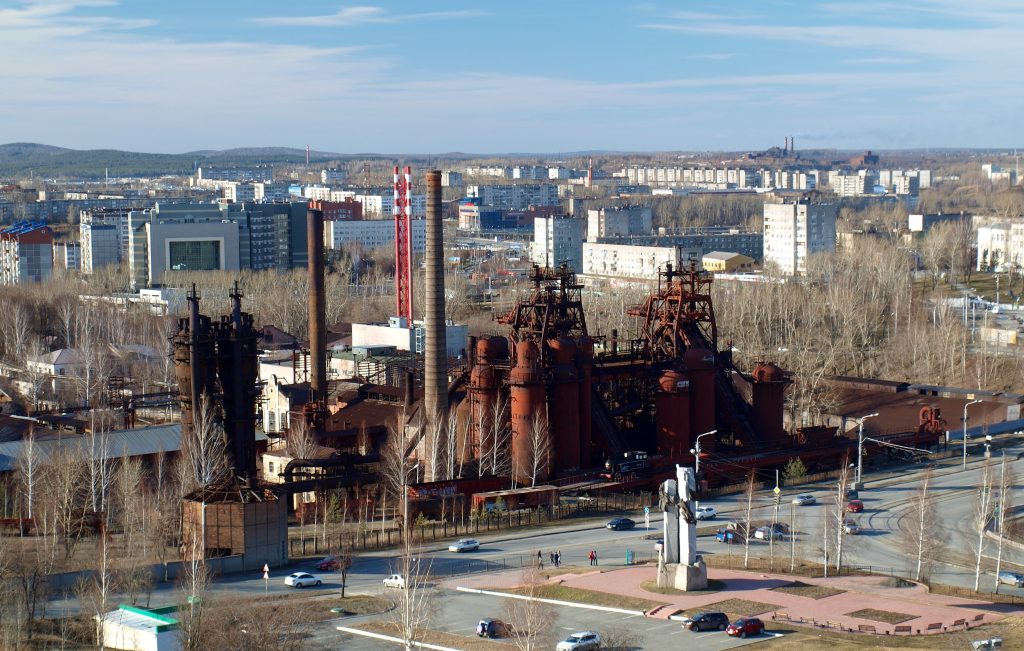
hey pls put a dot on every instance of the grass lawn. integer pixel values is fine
(811, 591)
(360, 604)
(735, 608)
(799, 638)
(652, 586)
(579, 595)
(881, 616)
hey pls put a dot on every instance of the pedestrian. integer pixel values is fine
(593, 557)
(540, 560)
(558, 558)
(551, 558)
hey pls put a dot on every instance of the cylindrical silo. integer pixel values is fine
(768, 397)
(526, 390)
(700, 367)
(673, 412)
(563, 404)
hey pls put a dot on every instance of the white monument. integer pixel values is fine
(678, 557)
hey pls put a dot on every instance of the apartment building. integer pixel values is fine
(796, 230)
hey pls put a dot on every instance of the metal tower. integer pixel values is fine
(403, 244)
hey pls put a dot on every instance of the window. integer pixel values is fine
(270, 467)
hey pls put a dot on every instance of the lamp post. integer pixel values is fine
(405, 502)
(973, 402)
(696, 459)
(860, 445)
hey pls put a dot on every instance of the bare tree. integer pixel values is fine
(839, 503)
(205, 448)
(100, 461)
(1004, 508)
(920, 527)
(63, 489)
(531, 620)
(749, 493)
(415, 601)
(500, 462)
(29, 468)
(194, 583)
(981, 516)
(301, 441)
(539, 449)
(96, 592)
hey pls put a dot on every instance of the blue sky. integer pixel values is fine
(526, 76)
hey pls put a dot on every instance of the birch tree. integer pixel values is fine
(531, 620)
(839, 501)
(29, 464)
(1003, 508)
(981, 516)
(919, 529)
(539, 449)
(205, 448)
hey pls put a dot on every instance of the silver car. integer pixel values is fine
(804, 499)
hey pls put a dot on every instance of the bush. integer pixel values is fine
(794, 471)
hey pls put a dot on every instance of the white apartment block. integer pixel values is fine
(496, 171)
(240, 192)
(794, 231)
(451, 179)
(515, 197)
(530, 172)
(332, 176)
(372, 233)
(849, 185)
(1000, 245)
(618, 222)
(559, 173)
(688, 176)
(558, 240)
(67, 255)
(629, 262)
(380, 205)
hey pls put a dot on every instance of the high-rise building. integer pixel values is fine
(67, 256)
(26, 253)
(558, 240)
(515, 197)
(618, 222)
(796, 230)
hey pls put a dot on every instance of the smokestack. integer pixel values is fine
(435, 358)
(317, 302)
(792, 146)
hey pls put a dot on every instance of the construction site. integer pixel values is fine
(541, 409)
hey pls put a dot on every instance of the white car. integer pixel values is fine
(301, 580)
(464, 545)
(395, 581)
(705, 513)
(584, 641)
(804, 499)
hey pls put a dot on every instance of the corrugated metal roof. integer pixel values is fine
(136, 442)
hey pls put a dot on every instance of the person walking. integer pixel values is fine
(540, 560)
(593, 557)
(558, 558)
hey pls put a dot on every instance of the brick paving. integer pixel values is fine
(861, 592)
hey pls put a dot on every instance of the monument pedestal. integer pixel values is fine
(690, 577)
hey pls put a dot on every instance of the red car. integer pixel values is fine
(328, 564)
(745, 626)
(855, 506)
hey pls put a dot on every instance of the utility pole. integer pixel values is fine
(775, 519)
(973, 402)
(792, 536)
(696, 460)
(860, 447)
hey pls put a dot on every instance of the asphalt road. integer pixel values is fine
(458, 612)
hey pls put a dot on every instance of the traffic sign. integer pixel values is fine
(776, 490)
(647, 510)
(647, 520)
(266, 567)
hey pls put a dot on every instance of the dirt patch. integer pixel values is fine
(360, 604)
(714, 585)
(809, 590)
(881, 616)
(582, 596)
(735, 608)
(440, 638)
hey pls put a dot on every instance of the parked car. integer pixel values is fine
(745, 626)
(804, 499)
(706, 622)
(327, 564)
(395, 581)
(852, 494)
(464, 545)
(583, 641)
(768, 533)
(855, 506)
(1012, 578)
(729, 536)
(301, 580)
(705, 513)
(619, 524)
(851, 527)
(492, 628)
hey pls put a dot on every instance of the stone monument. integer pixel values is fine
(679, 565)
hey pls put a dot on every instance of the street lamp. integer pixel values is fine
(405, 503)
(860, 445)
(696, 459)
(973, 402)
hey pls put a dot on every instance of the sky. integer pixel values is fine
(525, 76)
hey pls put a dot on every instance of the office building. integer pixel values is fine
(558, 240)
(332, 175)
(796, 230)
(26, 253)
(191, 237)
(1000, 246)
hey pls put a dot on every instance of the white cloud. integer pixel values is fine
(350, 16)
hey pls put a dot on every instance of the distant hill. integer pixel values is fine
(19, 159)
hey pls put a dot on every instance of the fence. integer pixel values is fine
(370, 539)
